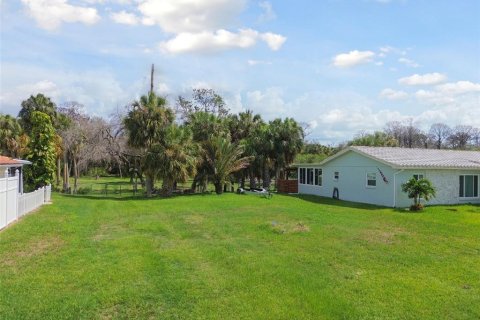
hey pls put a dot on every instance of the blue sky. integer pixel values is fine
(341, 66)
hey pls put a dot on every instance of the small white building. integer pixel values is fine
(375, 174)
(14, 203)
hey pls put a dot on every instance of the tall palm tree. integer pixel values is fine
(244, 129)
(146, 124)
(288, 138)
(223, 158)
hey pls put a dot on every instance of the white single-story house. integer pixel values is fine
(375, 174)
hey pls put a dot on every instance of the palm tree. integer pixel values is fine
(288, 138)
(10, 136)
(417, 189)
(245, 128)
(146, 124)
(223, 158)
(203, 124)
(177, 157)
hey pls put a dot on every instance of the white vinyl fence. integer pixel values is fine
(14, 205)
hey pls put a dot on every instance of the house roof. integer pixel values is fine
(406, 158)
(7, 161)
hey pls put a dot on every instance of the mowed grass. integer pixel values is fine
(239, 257)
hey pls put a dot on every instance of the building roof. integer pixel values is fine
(406, 158)
(7, 161)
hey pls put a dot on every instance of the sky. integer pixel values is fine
(341, 67)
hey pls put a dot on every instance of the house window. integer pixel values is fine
(336, 176)
(310, 176)
(302, 175)
(318, 177)
(418, 176)
(468, 186)
(371, 179)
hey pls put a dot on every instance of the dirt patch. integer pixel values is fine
(33, 249)
(109, 313)
(193, 219)
(290, 227)
(108, 232)
(384, 236)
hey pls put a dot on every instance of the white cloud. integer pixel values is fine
(50, 14)
(202, 25)
(425, 79)
(386, 49)
(98, 90)
(391, 94)
(408, 62)
(449, 93)
(124, 17)
(352, 58)
(257, 62)
(268, 13)
(460, 87)
(274, 41)
(190, 16)
(219, 40)
(269, 103)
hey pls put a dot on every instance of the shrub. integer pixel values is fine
(84, 190)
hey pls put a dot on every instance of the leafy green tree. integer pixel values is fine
(39, 103)
(204, 100)
(376, 139)
(417, 189)
(146, 124)
(41, 151)
(314, 152)
(223, 158)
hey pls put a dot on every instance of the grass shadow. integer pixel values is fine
(128, 198)
(335, 202)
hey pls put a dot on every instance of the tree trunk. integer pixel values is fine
(218, 187)
(242, 182)
(59, 170)
(75, 175)
(194, 185)
(253, 182)
(266, 177)
(66, 171)
(149, 185)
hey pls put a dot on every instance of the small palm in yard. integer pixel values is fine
(417, 189)
(223, 159)
(176, 158)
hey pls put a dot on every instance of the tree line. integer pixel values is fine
(408, 134)
(198, 139)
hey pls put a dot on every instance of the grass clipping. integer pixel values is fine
(291, 227)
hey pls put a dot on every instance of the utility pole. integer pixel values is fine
(151, 78)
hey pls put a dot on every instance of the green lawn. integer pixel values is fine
(239, 257)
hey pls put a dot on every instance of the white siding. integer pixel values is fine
(353, 167)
